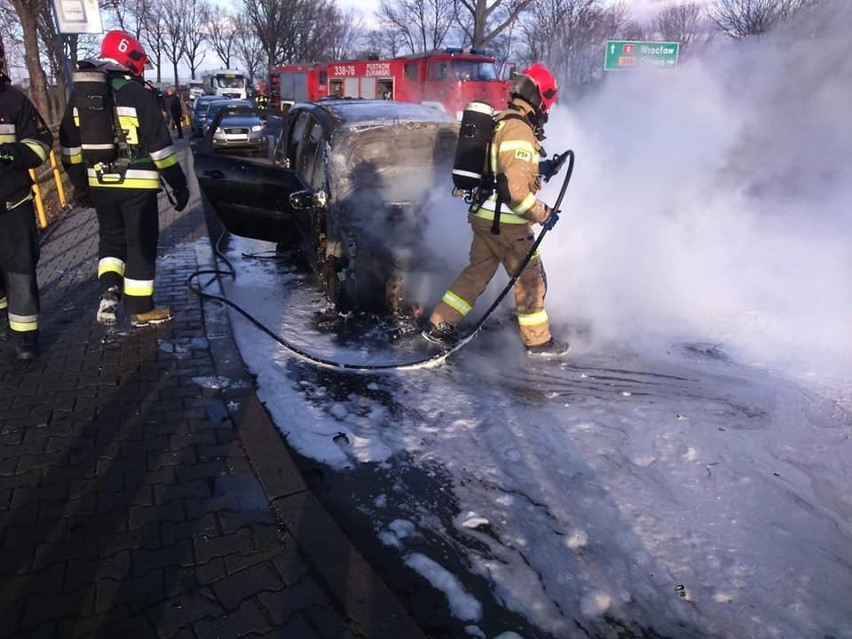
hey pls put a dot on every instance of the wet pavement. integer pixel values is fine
(144, 491)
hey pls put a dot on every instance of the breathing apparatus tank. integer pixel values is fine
(95, 110)
(471, 162)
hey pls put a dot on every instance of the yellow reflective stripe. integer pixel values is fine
(7, 139)
(526, 204)
(40, 149)
(138, 288)
(163, 153)
(3, 303)
(164, 164)
(506, 217)
(133, 179)
(110, 265)
(455, 302)
(532, 319)
(150, 185)
(23, 323)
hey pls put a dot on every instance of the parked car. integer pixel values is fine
(228, 103)
(348, 179)
(198, 112)
(238, 128)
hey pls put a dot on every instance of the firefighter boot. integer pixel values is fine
(154, 316)
(26, 345)
(108, 307)
(443, 334)
(549, 349)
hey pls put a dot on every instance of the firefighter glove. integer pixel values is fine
(9, 155)
(181, 199)
(551, 220)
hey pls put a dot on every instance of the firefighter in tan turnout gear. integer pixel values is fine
(25, 143)
(115, 146)
(502, 224)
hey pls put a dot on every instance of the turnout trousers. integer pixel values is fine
(487, 252)
(128, 232)
(19, 253)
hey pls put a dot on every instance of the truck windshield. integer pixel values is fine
(474, 70)
(231, 82)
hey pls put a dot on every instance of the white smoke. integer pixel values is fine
(712, 202)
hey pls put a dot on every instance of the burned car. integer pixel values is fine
(349, 178)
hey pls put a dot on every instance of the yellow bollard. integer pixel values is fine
(60, 190)
(42, 218)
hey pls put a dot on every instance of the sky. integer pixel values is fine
(685, 470)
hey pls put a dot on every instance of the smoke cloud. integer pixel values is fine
(712, 202)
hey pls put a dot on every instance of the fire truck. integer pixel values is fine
(448, 79)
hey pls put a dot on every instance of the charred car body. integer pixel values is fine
(350, 178)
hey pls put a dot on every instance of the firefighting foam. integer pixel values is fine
(713, 200)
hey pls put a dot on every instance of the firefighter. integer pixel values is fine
(123, 190)
(514, 163)
(25, 143)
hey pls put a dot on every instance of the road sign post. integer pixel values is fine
(630, 54)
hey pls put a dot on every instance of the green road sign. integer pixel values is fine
(630, 54)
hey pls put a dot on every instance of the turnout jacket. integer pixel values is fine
(149, 142)
(23, 128)
(513, 160)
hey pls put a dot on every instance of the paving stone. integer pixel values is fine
(145, 589)
(181, 612)
(236, 588)
(249, 618)
(285, 604)
(209, 547)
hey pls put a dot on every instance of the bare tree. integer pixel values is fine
(570, 36)
(482, 22)
(28, 13)
(744, 18)
(153, 34)
(221, 31)
(293, 30)
(249, 51)
(686, 23)
(421, 24)
(174, 32)
(196, 18)
(345, 35)
(383, 43)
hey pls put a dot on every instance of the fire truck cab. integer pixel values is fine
(447, 79)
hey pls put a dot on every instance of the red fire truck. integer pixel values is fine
(450, 78)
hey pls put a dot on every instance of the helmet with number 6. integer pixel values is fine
(536, 85)
(123, 48)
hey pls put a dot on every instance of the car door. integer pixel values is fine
(251, 197)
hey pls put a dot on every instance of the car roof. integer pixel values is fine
(227, 104)
(362, 111)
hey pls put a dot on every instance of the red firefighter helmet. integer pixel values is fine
(123, 48)
(536, 85)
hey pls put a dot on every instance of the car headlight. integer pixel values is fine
(257, 127)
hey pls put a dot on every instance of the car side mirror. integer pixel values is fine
(305, 199)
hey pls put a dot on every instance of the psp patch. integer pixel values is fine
(521, 154)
